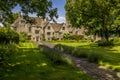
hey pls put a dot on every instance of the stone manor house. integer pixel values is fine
(43, 29)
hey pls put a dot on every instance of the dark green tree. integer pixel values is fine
(39, 7)
(95, 15)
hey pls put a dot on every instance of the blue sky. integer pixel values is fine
(57, 4)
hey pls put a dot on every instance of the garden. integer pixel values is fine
(24, 60)
(104, 56)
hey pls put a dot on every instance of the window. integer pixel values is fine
(15, 28)
(48, 38)
(48, 27)
(53, 33)
(36, 31)
(48, 33)
(76, 32)
(29, 29)
(37, 26)
(63, 28)
(29, 37)
(60, 33)
(22, 21)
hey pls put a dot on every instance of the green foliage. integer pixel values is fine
(6, 54)
(105, 56)
(66, 36)
(29, 62)
(103, 43)
(77, 37)
(23, 36)
(8, 36)
(95, 57)
(96, 16)
(81, 52)
(56, 58)
(54, 38)
(40, 7)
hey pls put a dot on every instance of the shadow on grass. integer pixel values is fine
(33, 64)
(105, 56)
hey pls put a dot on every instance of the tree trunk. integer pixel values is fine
(105, 30)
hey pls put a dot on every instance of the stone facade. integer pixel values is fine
(43, 29)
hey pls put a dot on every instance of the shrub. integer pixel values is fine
(8, 36)
(116, 39)
(67, 49)
(6, 54)
(80, 52)
(77, 37)
(95, 57)
(66, 36)
(54, 56)
(105, 43)
(54, 38)
(23, 36)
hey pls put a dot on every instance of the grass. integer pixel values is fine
(108, 56)
(29, 63)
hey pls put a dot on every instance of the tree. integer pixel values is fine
(8, 36)
(39, 7)
(95, 15)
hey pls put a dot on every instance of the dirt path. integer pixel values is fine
(92, 69)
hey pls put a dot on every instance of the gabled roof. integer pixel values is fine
(70, 28)
(38, 21)
(16, 22)
(56, 26)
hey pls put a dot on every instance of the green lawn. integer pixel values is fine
(111, 55)
(29, 63)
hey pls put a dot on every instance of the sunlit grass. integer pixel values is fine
(111, 55)
(29, 63)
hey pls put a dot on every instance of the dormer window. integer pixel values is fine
(48, 27)
(63, 28)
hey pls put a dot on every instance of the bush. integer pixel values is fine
(8, 36)
(104, 43)
(54, 38)
(116, 39)
(66, 36)
(95, 57)
(23, 36)
(54, 56)
(81, 52)
(6, 54)
(77, 37)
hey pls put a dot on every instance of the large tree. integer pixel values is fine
(39, 7)
(95, 15)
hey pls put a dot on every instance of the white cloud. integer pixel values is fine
(61, 19)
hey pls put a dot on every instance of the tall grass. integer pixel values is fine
(92, 56)
(104, 56)
(55, 56)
